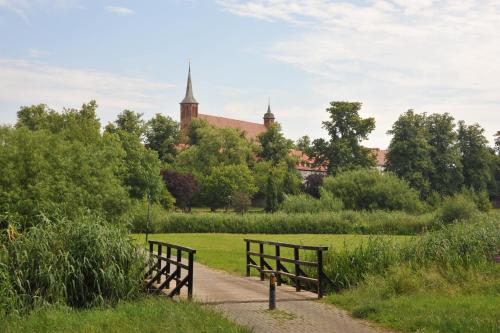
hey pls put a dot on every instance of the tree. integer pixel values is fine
(285, 177)
(312, 184)
(476, 157)
(128, 121)
(183, 187)
(162, 135)
(274, 146)
(304, 144)
(272, 202)
(409, 151)
(222, 181)
(214, 147)
(497, 142)
(446, 176)
(346, 129)
(240, 202)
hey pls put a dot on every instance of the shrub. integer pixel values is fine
(457, 208)
(304, 203)
(183, 187)
(240, 201)
(368, 189)
(81, 263)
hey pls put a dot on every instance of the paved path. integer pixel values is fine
(245, 301)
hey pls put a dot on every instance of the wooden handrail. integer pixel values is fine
(297, 275)
(161, 268)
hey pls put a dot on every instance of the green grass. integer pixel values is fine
(426, 311)
(227, 251)
(157, 315)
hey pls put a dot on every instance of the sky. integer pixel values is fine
(433, 56)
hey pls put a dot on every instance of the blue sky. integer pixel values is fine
(392, 55)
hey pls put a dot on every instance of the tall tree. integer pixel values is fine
(272, 194)
(476, 157)
(346, 128)
(274, 146)
(128, 121)
(183, 187)
(304, 144)
(162, 135)
(409, 151)
(446, 176)
(497, 142)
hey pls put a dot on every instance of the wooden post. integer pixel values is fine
(178, 276)
(190, 275)
(151, 252)
(278, 265)
(320, 273)
(261, 251)
(297, 267)
(159, 262)
(169, 256)
(248, 257)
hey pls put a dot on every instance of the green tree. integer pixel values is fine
(214, 147)
(409, 151)
(222, 181)
(497, 142)
(304, 144)
(274, 146)
(129, 122)
(286, 178)
(272, 202)
(162, 135)
(446, 177)
(476, 157)
(346, 128)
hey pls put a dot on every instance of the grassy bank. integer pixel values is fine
(343, 222)
(227, 251)
(147, 315)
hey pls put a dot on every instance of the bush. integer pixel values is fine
(304, 203)
(80, 263)
(457, 208)
(368, 189)
(240, 201)
(313, 184)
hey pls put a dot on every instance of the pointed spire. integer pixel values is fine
(189, 99)
(269, 114)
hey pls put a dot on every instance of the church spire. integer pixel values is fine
(189, 98)
(268, 116)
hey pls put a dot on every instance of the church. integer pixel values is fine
(189, 111)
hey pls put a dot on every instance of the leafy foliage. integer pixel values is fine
(162, 135)
(274, 146)
(183, 187)
(457, 208)
(346, 128)
(313, 184)
(225, 180)
(371, 189)
(272, 202)
(241, 202)
(304, 203)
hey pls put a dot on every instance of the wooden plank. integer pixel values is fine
(173, 262)
(174, 246)
(292, 261)
(294, 246)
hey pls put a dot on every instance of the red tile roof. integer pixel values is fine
(252, 130)
(305, 163)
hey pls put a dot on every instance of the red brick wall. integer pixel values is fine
(188, 113)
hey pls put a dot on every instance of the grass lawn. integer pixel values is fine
(427, 312)
(227, 251)
(157, 314)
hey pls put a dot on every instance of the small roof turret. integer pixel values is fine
(269, 114)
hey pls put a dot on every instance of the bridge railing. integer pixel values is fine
(161, 265)
(296, 274)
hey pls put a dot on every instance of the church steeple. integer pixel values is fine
(268, 116)
(189, 98)
(189, 105)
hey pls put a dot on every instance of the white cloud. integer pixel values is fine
(28, 82)
(435, 55)
(120, 10)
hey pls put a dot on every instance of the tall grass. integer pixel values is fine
(80, 263)
(343, 222)
(450, 250)
(304, 203)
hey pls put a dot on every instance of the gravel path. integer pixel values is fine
(245, 301)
